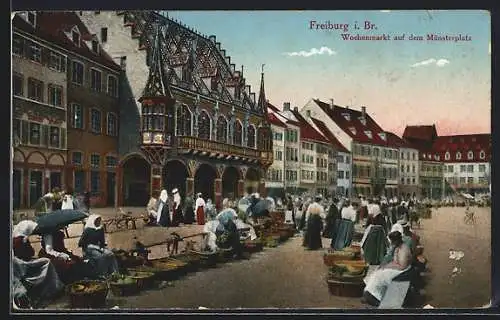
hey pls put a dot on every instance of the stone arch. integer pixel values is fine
(36, 157)
(204, 180)
(251, 133)
(136, 180)
(175, 174)
(252, 179)
(19, 156)
(222, 125)
(230, 179)
(204, 125)
(56, 159)
(131, 155)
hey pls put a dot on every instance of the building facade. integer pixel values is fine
(374, 159)
(408, 167)
(466, 162)
(431, 176)
(39, 103)
(275, 183)
(189, 118)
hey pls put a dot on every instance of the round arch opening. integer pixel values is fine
(174, 176)
(204, 180)
(136, 182)
(230, 179)
(252, 180)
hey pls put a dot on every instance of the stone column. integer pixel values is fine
(189, 187)
(218, 193)
(119, 187)
(241, 188)
(156, 179)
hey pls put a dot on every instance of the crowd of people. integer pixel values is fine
(59, 199)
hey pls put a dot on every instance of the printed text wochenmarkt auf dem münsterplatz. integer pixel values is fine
(387, 37)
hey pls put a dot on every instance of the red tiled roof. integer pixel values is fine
(396, 141)
(329, 135)
(273, 119)
(426, 132)
(50, 26)
(354, 127)
(307, 131)
(463, 144)
(273, 108)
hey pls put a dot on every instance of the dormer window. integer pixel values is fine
(75, 36)
(383, 136)
(447, 156)
(423, 155)
(436, 157)
(95, 46)
(470, 155)
(347, 116)
(31, 17)
(458, 156)
(353, 130)
(482, 155)
(369, 134)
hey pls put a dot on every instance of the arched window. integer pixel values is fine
(447, 156)
(222, 129)
(251, 136)
(458, 156)
(470, 155)
(238, 130)
(482, 155)
(262, 141)
(204, 125)
(183, 121)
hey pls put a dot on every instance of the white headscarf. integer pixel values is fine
(397, 227)
(164, 195)
(24, 228)
(91, 222)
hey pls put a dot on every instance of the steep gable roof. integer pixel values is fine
(307, 131)
(329, 135)
(420, 132)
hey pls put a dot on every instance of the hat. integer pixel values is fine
(175, 191)
(199, 194)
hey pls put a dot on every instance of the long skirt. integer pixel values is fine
(103, 261)
(345, 231)
(176, 217)
(189, 215)
(37, 279)
(200, 215)
(67, 270)
(378, 281)
(374, 244)
(314, 227)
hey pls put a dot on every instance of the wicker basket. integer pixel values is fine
(81, 299)
(145, 279)
(168, 268)
(124, 289)
(345, 288)
(208, 259)
(330, 258)
(192, 260)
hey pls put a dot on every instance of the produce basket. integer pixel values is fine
(125, 260)
(252, 246)
(123, 284)
(168, 268)
(332, 256)
(345, 288)
(208, 259)
(87, 294)
(193, 261)
(145, 279)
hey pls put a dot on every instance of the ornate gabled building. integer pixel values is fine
(200, 129)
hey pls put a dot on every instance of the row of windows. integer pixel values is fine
(470, 155)
(95, 121)
(343, 159)
(361, 171)
(37, 53)
(307, 175)
(277, 136)
(278, 155)
(470, 180)
(431, 168)
(291, 175)
(36, 90)
(408, 154)
(364, 150)
(291, 136)
(409, 181)
(466, 168)
(321, 163)
(275, 175)
(37, 134)
(413, 168)
(308, 146)
(77, 158)
(96, 81)
(343, 174)
(292, 154)
(307, 158)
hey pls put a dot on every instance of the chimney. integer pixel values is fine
(331, 103)
(363, 112)
(286, 106)
(347, 107)
(308, 113)
(296, 109)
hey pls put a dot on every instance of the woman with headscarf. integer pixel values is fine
(374, 243)
(315, 211)
(176, 208)
(152, 209)
(303, 218)
(68, 266)
(35, 278)
(378, 281)
(188, 210)
(94, 249)
(163, 217)
(331, 220)
(210, 238)
(200, 209)
(44, 204)
(345, 226)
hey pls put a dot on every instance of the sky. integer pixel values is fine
(401, 82)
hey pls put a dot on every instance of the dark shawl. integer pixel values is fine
(92, 236)
(314, 227)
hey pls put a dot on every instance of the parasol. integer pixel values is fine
(260, 208)
(225, 215)
(58, 219)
